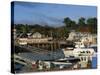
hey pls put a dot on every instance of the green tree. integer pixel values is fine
(67, 21)
(73, 24)
(81, 21)
(92, 23)
(27, 28)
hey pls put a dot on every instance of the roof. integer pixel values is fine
(36, 33)
(23, 35)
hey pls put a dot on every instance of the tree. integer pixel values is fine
(73, 24)
(27, 28)
(92, 23)
(20, 28)
(70, 24)
(67, 21)
(81, 21)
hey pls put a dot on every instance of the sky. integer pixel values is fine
(50, 14)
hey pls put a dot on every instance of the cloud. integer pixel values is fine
(44, 19)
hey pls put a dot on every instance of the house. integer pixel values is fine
(31, 38)
(71, 36)
(22, 39)
(84, 37)
(36, 35)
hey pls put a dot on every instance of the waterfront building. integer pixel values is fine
(24, 39)
(84, 37)
(37, 35)
(39, 40)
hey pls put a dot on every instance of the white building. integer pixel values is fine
(33, 38)
(71, 36)
(83, 37)
(37, 35)
(22, 41)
